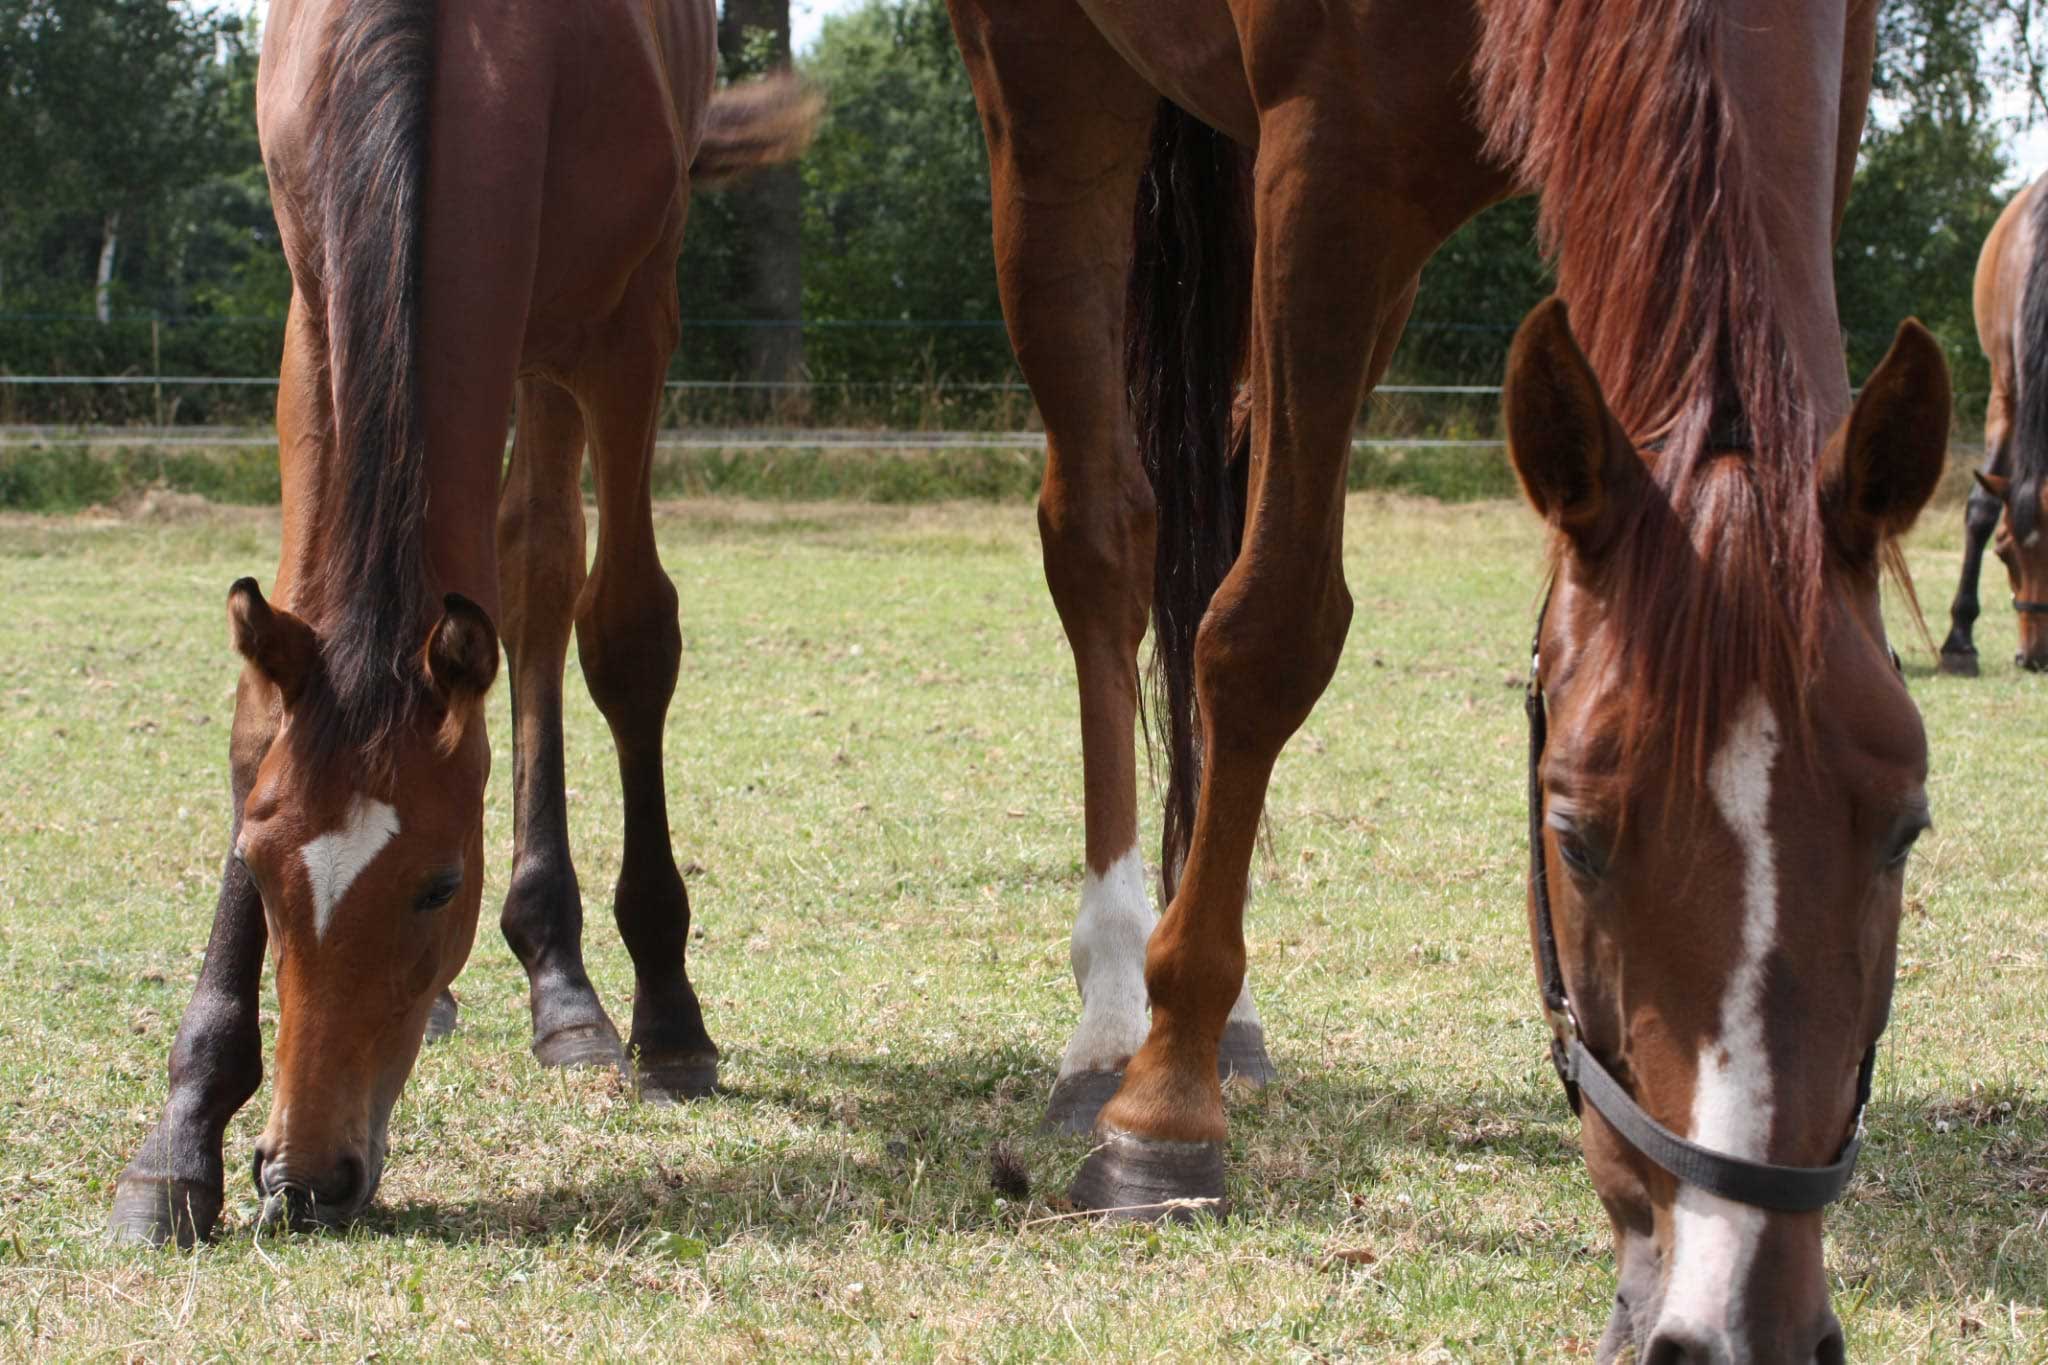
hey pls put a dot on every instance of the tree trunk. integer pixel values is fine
(103, 285)
(753, 38)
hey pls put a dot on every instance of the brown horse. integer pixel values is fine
(1726, 730)
(2012, 327)
(476, 198)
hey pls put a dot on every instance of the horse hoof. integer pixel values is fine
(581, 1045)
(1150, 1180)
(150, 1212)
(1076, 1101)
(1959, 663)
(666, 1080)
(441, 1018)
(1243, 1054)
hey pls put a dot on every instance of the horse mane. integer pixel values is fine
(2030, 422)
(1621, 117)
(368, 160)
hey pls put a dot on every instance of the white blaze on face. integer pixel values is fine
(1714, 1239)
(337, 858)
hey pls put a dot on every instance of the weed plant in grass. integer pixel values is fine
(875, 782)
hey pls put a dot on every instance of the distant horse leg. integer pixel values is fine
(540, 571)
(1266, 649)
(1980, 522)
(631, 648)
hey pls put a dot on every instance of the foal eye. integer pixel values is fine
(1902, 844)
(439, 892)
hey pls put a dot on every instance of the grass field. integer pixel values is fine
(875, 773)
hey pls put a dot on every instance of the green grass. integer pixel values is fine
(873, 763)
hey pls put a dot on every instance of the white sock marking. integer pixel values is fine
(1108, 953)
(335, 860)
(1714, 1239)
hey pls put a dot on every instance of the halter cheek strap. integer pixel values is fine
(1788, 1189)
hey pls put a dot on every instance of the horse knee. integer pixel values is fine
(1981, 513)
(1265, 653)
(631, 646)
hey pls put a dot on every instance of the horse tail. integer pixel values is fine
(368, 154)
(2030, 423)
(756, 124)
(1187, 325)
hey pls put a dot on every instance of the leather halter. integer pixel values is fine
(1787, 1189)
(2027, 608)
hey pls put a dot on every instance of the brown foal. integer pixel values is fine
(1727, 730)
(2012, 327)
(479, 200)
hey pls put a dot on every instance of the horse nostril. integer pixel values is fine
(1682, 1347)
(348, 1183)
(257, 1165)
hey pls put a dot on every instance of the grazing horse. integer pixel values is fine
(478, 199)
(2012, 327)
(1726, 733)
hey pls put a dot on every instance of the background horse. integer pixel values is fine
(1727, 732)
(2012, 327)
(474, 198)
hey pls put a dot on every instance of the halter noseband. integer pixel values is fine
(2027, 608)
(1788, 1189)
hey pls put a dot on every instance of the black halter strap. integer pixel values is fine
(2026, 608)
(1790, 1189)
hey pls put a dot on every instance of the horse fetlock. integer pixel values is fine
(171, 1191)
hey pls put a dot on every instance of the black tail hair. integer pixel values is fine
(2030, 424)
(1188, 316)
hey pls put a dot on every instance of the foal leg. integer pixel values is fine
(631, 649)
(1980, 521)
(1063, 177)
(540, 572)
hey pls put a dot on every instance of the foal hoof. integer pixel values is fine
(663, 1080)
(1077, 1100)
(441, 1018)
(1243, 1054)
(1150, 1180)
(1959, 663)
(151, 1212)
(581, 1045)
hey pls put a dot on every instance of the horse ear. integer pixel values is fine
(1997, 485)
(280, 646)
(1884, 464)
(1576, 464)
(462, 651)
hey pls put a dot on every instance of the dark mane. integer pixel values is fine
(368, 159)
(2030, 423)
(1619, 115)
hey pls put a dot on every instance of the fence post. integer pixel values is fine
(156, 366)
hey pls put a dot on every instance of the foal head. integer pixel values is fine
(1728, 797)
(369, 860)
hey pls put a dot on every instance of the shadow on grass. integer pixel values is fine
(1950, 1201)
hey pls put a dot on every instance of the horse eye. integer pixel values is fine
(1581, 855)
(439, 892)
(1903, 841)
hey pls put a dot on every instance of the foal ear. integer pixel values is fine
(1997, 485)
(1577, 466)
(462, 651)
(1883, 465)
(280, 645)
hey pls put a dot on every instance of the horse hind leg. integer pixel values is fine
(630, 646)
(1063, 182)
(540, 557)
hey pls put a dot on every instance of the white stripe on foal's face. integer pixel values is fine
(336, 859)
(1714, 1240)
